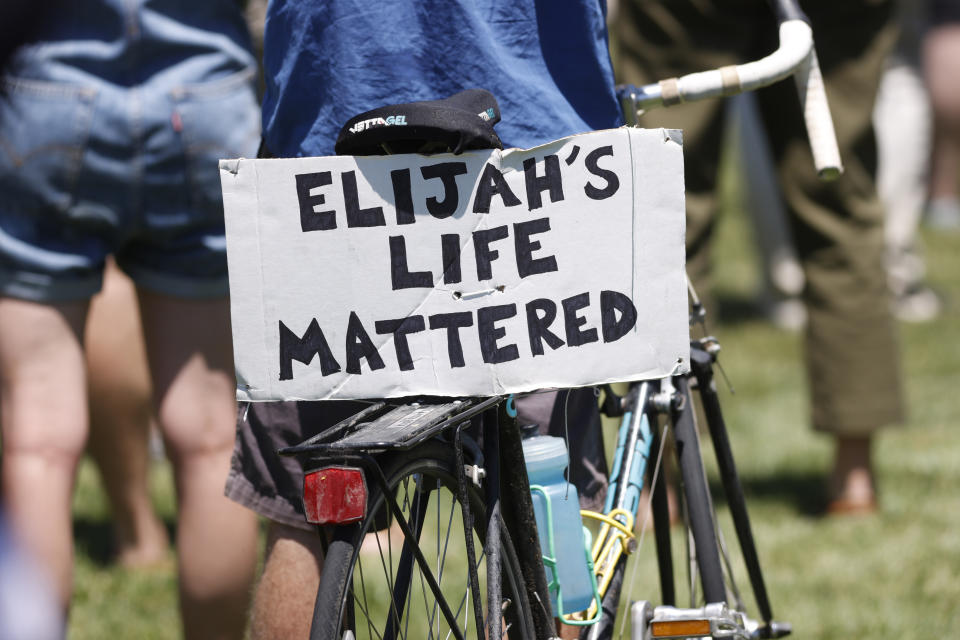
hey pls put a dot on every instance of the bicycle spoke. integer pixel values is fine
(466, 598)
(366, 615)
(466, 594)
(416, 504)
(438, 566)
(394, 611)
(409, 605)
(395, 607)
(387, 572)
(426, 606)
(442, 555)
(433, 616)
(388, 606)
(365, 605)
(728, 566)
(409, 597)
(442, 550)
(413, 507)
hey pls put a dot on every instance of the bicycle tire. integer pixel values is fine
(347, 586)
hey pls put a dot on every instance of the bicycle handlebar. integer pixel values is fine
(795, 56)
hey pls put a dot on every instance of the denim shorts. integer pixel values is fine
(92, 169)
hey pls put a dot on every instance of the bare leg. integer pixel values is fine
(902, 119)
(191, 361)
(44, 417)
(121, 414)
(284, 599)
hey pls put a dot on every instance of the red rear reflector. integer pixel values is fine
(334, 495)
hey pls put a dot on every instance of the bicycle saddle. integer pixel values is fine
(463, 121)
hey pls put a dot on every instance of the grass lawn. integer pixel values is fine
(883, 576)
(890, 575)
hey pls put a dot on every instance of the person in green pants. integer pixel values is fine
(851, 348)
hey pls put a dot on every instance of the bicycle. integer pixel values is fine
(417, 461)
(455, 467)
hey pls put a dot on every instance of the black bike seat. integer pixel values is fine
(463, 121)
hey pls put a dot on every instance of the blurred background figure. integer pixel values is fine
(941, 65)
(28, 607)
(902, 120)
(837, 228)
(121, 393)
(111, 124)
(123, 429)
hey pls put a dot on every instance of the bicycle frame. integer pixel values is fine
(638, 440)
(357, 440)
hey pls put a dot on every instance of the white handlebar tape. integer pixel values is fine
(796, 41)
(795, 56)
(816, 114)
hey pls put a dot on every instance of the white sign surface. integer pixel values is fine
(482, 273)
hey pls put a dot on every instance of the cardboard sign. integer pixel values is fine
(483, 273)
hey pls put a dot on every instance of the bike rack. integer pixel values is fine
(385, 427)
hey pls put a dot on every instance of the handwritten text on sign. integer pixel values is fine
(473, 274)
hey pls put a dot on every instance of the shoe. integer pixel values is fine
(852, 490)
(919, 304)
(847, 507)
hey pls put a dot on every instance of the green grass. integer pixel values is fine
(890, 575)
(109, 601)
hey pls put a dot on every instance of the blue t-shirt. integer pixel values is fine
(545, 61)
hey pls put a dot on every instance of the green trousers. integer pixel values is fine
(850, 344)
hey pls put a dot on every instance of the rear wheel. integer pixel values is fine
(374, 587)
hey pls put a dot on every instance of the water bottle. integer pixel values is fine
(547, 461)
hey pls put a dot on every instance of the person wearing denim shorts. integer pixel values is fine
(111, 125)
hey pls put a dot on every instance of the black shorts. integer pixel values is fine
(272, 485)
